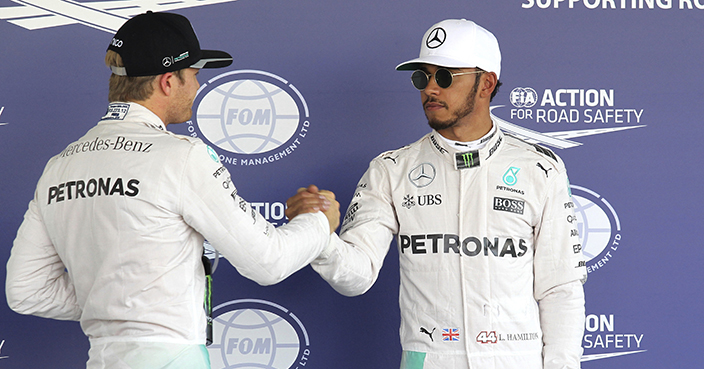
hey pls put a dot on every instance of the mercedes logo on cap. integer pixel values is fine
(436, 38)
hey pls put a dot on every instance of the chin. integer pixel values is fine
(440, 125)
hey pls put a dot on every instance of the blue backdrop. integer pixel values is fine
(615, 87)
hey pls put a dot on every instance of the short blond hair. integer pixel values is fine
(125, 88)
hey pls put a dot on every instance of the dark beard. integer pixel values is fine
(462, 112)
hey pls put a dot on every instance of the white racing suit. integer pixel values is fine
(114, 238)
(490, 261)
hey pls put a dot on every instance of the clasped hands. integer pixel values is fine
(311, 200)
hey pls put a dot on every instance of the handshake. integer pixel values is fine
(311, 200)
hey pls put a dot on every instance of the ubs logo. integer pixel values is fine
(421, 200)
(253, 333)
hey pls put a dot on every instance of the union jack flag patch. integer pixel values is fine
(450, 334)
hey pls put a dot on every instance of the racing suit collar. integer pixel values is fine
(132, 112)
(460, 157)
(472, 145)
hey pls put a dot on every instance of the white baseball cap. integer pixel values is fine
(458, 43)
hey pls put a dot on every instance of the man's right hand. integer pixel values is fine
(311, 200)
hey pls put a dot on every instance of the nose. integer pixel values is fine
(432, 88)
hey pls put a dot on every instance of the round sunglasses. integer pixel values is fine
(443, 77)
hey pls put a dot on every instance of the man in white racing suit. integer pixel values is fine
(114, 235)
(491, 268)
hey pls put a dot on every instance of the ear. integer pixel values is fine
(487, 84)
(166, 83)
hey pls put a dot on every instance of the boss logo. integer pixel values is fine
(510, 205)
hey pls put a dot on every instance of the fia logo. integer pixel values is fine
(523, 97)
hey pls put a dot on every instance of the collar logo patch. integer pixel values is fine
(466, 160)
(116, 111)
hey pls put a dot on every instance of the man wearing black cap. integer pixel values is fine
(491, 266)
(114, 235)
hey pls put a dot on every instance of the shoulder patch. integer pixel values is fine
(540, 150)
(548, 155)
(545, 151)
(391, 155)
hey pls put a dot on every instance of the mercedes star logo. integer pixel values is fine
(422, 175)
(436, 38)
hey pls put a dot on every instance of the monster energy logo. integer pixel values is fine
(467, 159)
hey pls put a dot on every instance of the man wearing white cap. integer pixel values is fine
(114, 235)
(491, 266)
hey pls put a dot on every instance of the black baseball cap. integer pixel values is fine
(156, 43)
